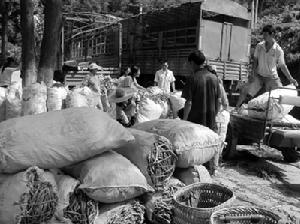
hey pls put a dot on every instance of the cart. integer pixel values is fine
(283, 136)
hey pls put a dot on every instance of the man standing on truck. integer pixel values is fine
(268, 56)
(164, 78)
(202, 93)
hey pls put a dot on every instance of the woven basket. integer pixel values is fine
(244, 215)
(195, 203)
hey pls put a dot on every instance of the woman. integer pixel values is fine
(126, 108)
(130, 81)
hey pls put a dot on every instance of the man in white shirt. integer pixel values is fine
(164, 78)
(268, 56)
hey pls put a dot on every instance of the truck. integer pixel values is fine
(220, 28)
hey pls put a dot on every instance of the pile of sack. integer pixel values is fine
(258, 106)
(90, 169)
(154, 104)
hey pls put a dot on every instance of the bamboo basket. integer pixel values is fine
(244, 215)
(195, 203)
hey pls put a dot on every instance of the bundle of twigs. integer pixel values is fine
(38, 205)
(161, 161)
(128, 214)
(81, 210)
(163, 206)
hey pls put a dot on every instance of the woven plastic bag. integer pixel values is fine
(177, 102)
(194, 143)
(148, 110)
(3, 95)
(152, 154)
(34, 99)
(222, 121)
(13, 103)
(191, 175)
(109, 178)
(56, 97)
(131, 212)
(75, 99)
(58, 138)
(28, 197)
(258, 106)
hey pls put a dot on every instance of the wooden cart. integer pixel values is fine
(282, 136)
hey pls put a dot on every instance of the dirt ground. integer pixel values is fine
(262, 182)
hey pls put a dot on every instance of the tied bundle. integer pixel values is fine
(81, 210)
(28, 197)
(161, 161)
(152, 154)
(162, 212)
(122, 213)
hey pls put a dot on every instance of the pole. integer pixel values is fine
(256, 12)
(252, 14)
(4, 29)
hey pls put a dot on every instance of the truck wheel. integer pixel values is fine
(290, 155)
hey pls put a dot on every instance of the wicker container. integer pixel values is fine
(244, 215)
(195, 203)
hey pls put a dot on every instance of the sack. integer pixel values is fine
(75, 99)
(148, 110)
(34, 99)
(13, 103)
(194, 143)
(131, 212)
(165, 109)
(109, 178)
(152, 154)
(3, 95)
(56, 97)
(58, 138)
(28, 197)
(258, 106)
(177, 102)
(222, 121)
(191, 175)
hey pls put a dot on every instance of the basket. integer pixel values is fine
(244, 215)
(195, 203)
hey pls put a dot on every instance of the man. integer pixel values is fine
(164, 78)
(268, 56)
(202, 93)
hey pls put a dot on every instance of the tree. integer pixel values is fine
(28, 69)
(50, 42)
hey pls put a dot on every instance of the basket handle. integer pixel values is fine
(253, 218)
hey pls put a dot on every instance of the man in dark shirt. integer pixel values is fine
(202, 93)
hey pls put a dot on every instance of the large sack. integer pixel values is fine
(3, 95)
(93, 98)
(177, 102)
(258, 106)
(28, 197)
(58, 138)
(152, 154)
(194, 143)
(191, 175)
(148, 110)
(56, 97)
(109, 178)
(131, 212)
(13, 103)
(34, 99)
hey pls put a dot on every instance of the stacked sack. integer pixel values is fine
(56, 96)
(34, 99)
(3, 95)
(13, 103)
(154, 104)
(257, 107)
(103, 186)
